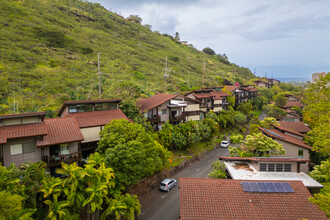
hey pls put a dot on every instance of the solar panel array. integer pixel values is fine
(273, 133)
(267, 187)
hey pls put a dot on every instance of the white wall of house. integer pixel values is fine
(192, 107)
(291, 150)
(90, 134)
(20, 158)
(217, 102)
(217, 109)
(193, 118)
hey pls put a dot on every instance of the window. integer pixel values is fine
(28, 148)
(64, 149)
(271, 167)
(287, 167)
(113, 105)
(22, 148)
(164, 111)
(279, 167)
(300, 154)
(201, 116)
(16, 149)
(72, 108)
(105, 106)
(98, 107)
(263, 167)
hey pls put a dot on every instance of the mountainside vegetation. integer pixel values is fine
(49, 52)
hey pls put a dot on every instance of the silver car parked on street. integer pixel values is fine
(167, 184)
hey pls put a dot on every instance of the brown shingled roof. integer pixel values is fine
(153, 101)
(61, 130)
(281, 128)
(22, 115)
(281, 136)
(297, 126)
(20, 131)
(98, 118)
(225, 199)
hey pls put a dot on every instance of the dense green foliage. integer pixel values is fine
(184, 135)
(131, 151)
(28, 192)
(218, 170)
(321, 173)
(273, 111)
(257, 145)
(280, 99)
(317, 114)
(49, 55)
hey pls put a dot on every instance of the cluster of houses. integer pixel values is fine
(73, 136)
(275, 187)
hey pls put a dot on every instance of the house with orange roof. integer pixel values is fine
(206, 198)
(161, 108)
(292, 143)
(69, 138)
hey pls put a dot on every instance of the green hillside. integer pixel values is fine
(48, 51)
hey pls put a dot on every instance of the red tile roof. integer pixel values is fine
(20, 131)
(153, 101)
(218, 95)
(61, 130)
(98, 118)
(253, 90)
(202, 95)
(281, 128)
(281, 136)
(225, 199)
(296, 126)
(273, 159)
(291, 104)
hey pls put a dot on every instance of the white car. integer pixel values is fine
(224, 144)
(167, 184)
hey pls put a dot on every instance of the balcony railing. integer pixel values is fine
(175, 118)
(203, 105)
(154, 119)
(56, 160)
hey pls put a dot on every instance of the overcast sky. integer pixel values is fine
(283, 38)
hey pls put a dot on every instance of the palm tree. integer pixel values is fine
(132, 206)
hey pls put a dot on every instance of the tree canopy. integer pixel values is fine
(257, 145)
(131, 151)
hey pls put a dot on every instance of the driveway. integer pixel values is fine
(166, 206)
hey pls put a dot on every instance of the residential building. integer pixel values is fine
(205, 198)
(69, 138)
(291, 116)
(300, 127)
(161, 108)
(316, 76)
(192, 110)
(92, 116)
(261, 84)
(270, 168)
(292, 143)
(272, 82)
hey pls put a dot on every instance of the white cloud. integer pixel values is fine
(251, 32)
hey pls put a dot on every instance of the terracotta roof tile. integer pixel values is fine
(292, 104)
(297, 126)
(97, 118)
(61, 130)
(153, 101)
(281, 136)
(281, 128)
(225, 199)
(20, 131)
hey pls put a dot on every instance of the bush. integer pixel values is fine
(218, 170)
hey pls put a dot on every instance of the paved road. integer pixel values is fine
(166, 206)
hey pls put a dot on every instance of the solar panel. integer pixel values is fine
(246, 186)
(287, 187)
(280, 187)
(263, 187)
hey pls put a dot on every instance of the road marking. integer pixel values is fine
(162, 197)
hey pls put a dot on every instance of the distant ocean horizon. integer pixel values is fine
(296, 79)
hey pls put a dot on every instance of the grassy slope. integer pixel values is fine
(48, 51)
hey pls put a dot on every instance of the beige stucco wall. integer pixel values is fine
(217, 102)
(163, 117)
(217, 109)
(20, 158)
(90, 134)
(73, 147)
(192, 118)
(294, 135)
(291, 150)
(192, 107)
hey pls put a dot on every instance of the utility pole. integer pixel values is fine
(166, 74)
(254, 71)
(203, 74)
(99, 73)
